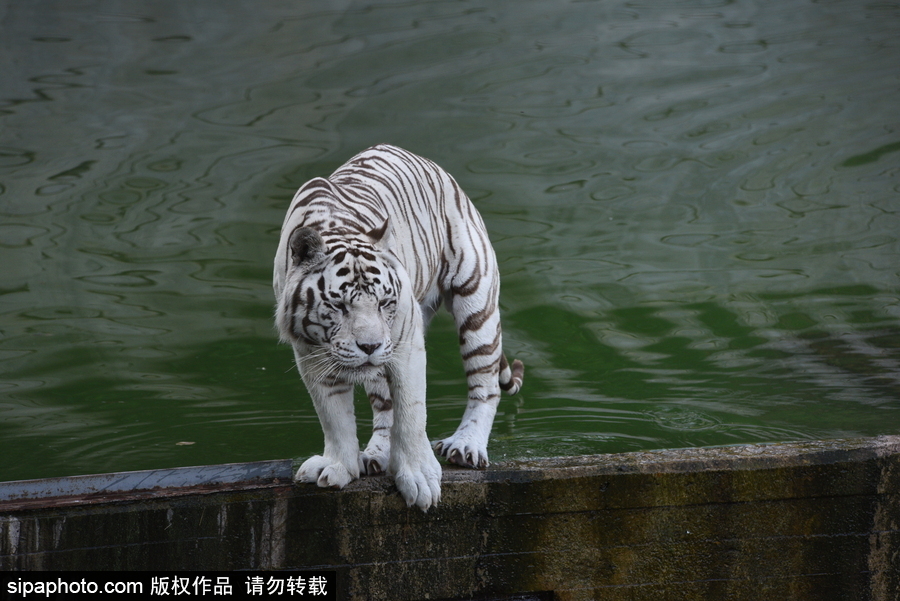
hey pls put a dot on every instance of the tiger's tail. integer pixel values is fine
(511, 377)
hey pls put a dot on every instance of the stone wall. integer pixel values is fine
(814, 520)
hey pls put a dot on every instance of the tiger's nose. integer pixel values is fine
(368, 348)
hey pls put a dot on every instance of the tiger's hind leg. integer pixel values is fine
(481, 347)
(376, 456)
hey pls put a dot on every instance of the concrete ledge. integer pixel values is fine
(789, 521)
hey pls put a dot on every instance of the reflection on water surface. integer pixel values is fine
(695, 206)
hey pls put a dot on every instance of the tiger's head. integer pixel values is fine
(340, 298)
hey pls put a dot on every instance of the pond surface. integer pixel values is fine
(695, 204)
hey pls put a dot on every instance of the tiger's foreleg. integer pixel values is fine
(416, 471)
(374, 460)
(332, 397)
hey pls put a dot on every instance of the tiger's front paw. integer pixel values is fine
(375, 459)
(460, 450)
(372, 462)
(419, 480)
(325, 472)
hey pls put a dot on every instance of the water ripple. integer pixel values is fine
(694, 206)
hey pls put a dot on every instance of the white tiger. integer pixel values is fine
(364, 261)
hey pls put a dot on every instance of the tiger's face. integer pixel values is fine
(341, 298)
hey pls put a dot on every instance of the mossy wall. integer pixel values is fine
(792, 521)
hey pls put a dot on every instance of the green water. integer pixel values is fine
(695, 204)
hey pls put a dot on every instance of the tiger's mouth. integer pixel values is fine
(364, 372)
(359, 368)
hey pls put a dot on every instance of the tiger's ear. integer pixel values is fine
(306, 245)
(381, 236)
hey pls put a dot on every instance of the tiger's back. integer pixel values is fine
(432, 220)
(390, 225)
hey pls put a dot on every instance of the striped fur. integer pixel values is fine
(365, 259)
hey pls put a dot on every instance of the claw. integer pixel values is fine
(373, 467)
